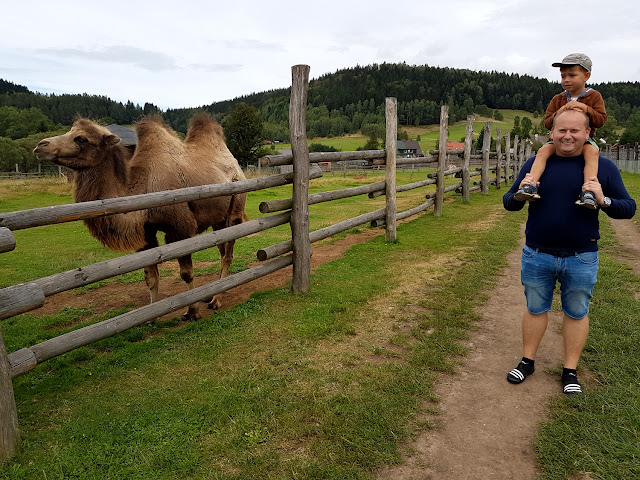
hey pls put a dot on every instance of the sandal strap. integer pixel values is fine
(572, 388)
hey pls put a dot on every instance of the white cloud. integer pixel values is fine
(194, 52)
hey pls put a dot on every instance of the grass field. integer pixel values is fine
(428, 133)
(321, 385)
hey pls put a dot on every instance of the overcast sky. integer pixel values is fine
(191, 53)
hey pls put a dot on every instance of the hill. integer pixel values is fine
(349, 100)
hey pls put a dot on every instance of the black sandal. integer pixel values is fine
(518, 374)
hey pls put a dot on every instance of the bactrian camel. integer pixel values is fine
(104, 168)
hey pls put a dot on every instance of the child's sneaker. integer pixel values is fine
(528, 191)
(587, 199)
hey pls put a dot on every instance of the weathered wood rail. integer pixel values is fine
(20, 298)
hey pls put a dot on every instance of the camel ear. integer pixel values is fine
(111, 140)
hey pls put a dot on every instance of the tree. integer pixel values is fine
(11, 154)
(632, 132)
(243, 133)
(609, 131)
(525, 127)
(516, 127)
(372, 142)
(16, 123)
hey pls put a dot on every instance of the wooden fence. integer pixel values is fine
(624, 156)
(496, 168)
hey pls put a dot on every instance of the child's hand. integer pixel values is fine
(528, 180)
(594, 185)
(575, 106)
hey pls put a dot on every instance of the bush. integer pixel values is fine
(319, 147)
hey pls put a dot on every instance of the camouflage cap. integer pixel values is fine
(575, 59)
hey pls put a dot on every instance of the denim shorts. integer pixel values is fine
(576, 274)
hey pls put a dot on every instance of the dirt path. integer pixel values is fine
(487, 425)
(115, 295)
(629, 238)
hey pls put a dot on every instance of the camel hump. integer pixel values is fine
(154, 138)
(152, 125)
(202, 126)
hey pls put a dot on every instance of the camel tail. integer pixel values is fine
(235, 213)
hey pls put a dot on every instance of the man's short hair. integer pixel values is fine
(587, 121)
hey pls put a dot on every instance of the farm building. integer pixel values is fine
(409, 149)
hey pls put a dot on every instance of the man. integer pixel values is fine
(561, 243)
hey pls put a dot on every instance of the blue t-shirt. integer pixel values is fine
(555, 221)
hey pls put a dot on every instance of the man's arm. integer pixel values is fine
(622, 205)
(508, 201)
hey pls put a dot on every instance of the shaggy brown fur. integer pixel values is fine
(161, 161)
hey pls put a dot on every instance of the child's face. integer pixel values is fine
(573, 79)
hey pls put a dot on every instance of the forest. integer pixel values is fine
(348, 101)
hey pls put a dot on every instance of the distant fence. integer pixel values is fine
(42, 171)
(495, 168)
(624, 156)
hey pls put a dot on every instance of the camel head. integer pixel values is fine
(81, 147)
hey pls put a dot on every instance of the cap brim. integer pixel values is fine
(558, 64)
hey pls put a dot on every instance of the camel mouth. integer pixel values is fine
(45, 156)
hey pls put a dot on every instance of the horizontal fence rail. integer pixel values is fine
(316, 157)
(23, 360)
(109, 206)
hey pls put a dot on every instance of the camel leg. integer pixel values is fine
(226, 257)
(151, 275)
(186, 273)
(152, 278)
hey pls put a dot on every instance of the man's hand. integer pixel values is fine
(594, 185)
(528, 180)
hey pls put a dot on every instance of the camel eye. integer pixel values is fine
(80, 140)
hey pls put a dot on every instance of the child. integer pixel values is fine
(575, 70)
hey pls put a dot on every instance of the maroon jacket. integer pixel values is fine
(592, 99)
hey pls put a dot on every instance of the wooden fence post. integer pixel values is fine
(442, 158)
(468, 141)
(9, 433)
(486, 146)
(516, 156)
(391, 115)
(498, 158)
(507, 160)
(300, 205)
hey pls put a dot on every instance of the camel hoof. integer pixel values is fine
(189, 317)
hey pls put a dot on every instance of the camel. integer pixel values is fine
(104, 168)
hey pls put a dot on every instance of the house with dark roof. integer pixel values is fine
(408, 149)
(128, 137)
